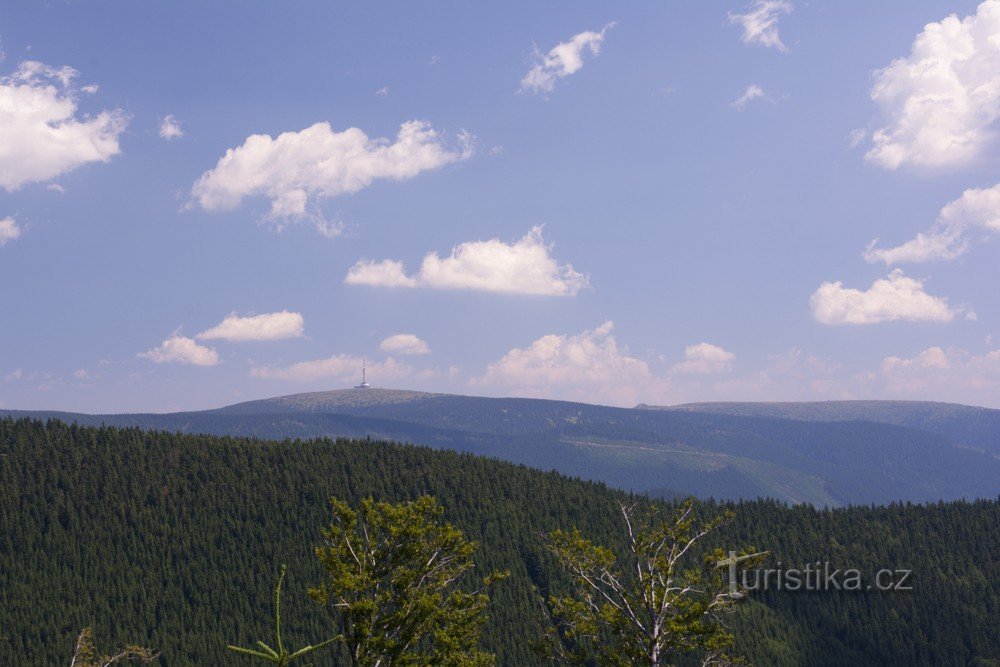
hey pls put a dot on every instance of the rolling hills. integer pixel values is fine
(873, 452)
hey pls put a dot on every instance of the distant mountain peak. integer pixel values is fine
(328, 401)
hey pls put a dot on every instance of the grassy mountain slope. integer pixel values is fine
(174, 541)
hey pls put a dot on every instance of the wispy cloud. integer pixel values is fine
(760, 23)
(170, 128)
(753, 92)
(9, 230)
(562, 60)
(949, 238)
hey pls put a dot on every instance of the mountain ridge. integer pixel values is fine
(698, 449)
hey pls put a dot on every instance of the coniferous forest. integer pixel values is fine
(175, 541)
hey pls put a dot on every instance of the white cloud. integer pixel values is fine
(343, 368)
(9, 231)
(267, 326)
(948, 238)
(936, 372)
(382, 92)
(588, 366)
(404, 344)
(564, 59)
(704, 359)
(523, 267)
(298, 167)
(940, 103)
(938, 244)
(170, 128)
(182, 350)
(41, 136)
(932, 357)
(753, 92)
(387, 273)
(760, 23)
(895, 297)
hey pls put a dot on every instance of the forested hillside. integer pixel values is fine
(964, 424)
(174, 541)
(823, 462)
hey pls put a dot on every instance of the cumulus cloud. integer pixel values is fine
(297, 168)
(940, 103)
(760, 23)
(949, 237)
(9, 231)
(170, 128)
(183, 350)
(523, 267)
(932, 357)
(704, 359)
(267, 326)
(896, 297)
(342, 368)
(935, 371)
(588, 366)
(404, 344)
(753, 92)
(387, 273)
(41, 136)
(564, 59)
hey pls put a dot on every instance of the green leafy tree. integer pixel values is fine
(393, 574)
(278, 655)
(85, 654)
(650, 605)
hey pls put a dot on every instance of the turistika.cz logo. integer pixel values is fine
(816, 576)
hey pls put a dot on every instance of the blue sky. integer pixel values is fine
(605, 220)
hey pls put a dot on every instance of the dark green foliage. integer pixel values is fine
(393, 576)
(171, 541)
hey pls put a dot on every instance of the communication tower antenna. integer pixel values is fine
(364, 374)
